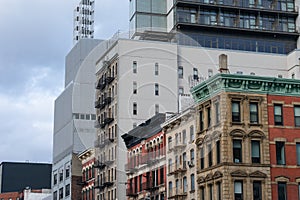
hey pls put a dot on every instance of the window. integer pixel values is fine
(55, 195)
(93, 117)
(67, 171)
(61, 175)
(134, 108)
(202, 193)
(161, 175)
(209, 155)
(210, 191)
(298, 153)
(170, 188)
(255, 151)
(170, 165)
(238, 190)
(280, 153)
(169, 143)
(202, 158)
(297, 115)
(192, 182)
(208, 117)
(67, 190)
(201, 120)
(180, 72)
(156, 69)
(278, 114)
(217, 109)
(218, 151)
(134, 88)
(282, 191)
(141, 182)
(134, 67)
(55, 179)
(61, 193)
(156, 108)
(180, 90)
(195, 74)
(237, 151)
(192, 136)
(236, 111)
(184, 140)
(184, 184)
(253, 113)
(219, 190)
(257, 193)
(192, 154)
(156, 89)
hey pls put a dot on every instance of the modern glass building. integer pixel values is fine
(249, 25)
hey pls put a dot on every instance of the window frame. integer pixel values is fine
(180, 72)
(297, 118)
(134, 67)
(240, 195)
(254, 113)
(236, 116)
(256, 160)
(235, 149)
(282, 159)
(279, 116)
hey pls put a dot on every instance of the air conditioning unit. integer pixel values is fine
(191, 163)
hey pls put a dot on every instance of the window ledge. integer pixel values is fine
(238, 123)
(192, 191)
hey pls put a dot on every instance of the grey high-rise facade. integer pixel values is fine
(270, 26)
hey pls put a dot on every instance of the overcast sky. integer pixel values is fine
(35, 37)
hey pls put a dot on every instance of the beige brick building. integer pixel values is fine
(181, 156)
(232, 139)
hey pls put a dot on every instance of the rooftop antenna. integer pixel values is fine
(84, 20)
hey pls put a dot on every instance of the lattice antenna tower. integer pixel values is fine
(84, 20)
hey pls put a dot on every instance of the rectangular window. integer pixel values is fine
(192, 182)
(297, 115)
(238, 190)
(202, 193)
(237, 151)
(55, 179)
(210, 186)
(278, 115)
(156, 108)
(218, 149)
(201, 158)
(61, 175)
(180, 72)
(217, 109)
(254, 113)
(255, 151)
(67, 190)
(195, 74)
(68, 171)
(192, 154)
(162, 178)
(61, 193)
(180, 90)
(134, 67)
(55, 195)
(141, 182)
(282, 191)
(201, 120)
(156, 69)
(170, 188)
(209, 155)
(280, 153)
(184, 140)
(208, 117)
(236, 111)
(156, 89)
(134, 88)
(192, 136)
(257, 193)
(134, 108)
(298, 153)
(185, 184)
(219, 190)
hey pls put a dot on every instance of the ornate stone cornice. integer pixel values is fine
(245, 84)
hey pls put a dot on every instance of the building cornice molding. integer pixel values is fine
(245, 84)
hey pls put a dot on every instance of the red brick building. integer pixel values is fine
(284, 131)
(145, 169)
(88, 174)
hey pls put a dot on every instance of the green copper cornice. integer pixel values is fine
(245, 84)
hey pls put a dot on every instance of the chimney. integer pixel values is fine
(223, 68)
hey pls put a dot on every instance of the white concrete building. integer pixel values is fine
(74, 116)
(136, 79)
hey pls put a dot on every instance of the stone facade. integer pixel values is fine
(181, 156)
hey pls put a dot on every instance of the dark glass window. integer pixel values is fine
(238, 190)
(55, 179)
(201, 120)
(208, 117)
(255, 151)
(253, 112)
(236, 117)
(202, 158)
(210, 191)
(202, 193)
(192, 182)
(209, 155)
(156, 89)
(298, 153)
(297, 115)
(134, 67)
(134, 112)
(282, 191)
(257, 193)
(217, 112)
(218, 149)
(237, 151)
(280, 153)
(67, 190)
(278, 114)
(219, 190)
(180, 72)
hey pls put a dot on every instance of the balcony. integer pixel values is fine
(108, 120)
(178, 168)
(99, 164)
(177, 193)
(130, 192)
(97, 124)
(177, 146)
(150, 186)
(130, 168)
(108, 100)
(97, 103)
(103, 183)
(100, 85)
(101, 144)
(109, 79)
